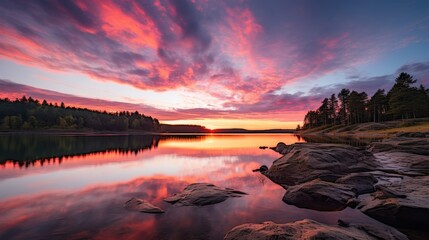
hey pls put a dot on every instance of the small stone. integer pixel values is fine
(201, 194)
(137, 204)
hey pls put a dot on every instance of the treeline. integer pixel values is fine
(28, 113)
(403, 101)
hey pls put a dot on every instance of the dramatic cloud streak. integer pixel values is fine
(239, 53)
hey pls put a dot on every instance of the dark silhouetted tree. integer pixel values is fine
(401, 97)
(324, 111)
(332, 109)
(377, 106)
(343, 96)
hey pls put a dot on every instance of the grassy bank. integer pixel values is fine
(371, 130)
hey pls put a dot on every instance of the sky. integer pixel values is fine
(221, 64)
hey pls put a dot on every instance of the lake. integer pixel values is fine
(74, 187)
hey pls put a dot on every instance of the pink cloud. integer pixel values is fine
(239, 53)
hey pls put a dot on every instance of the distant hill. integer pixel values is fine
(183, 128)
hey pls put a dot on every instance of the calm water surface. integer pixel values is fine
(74, 187)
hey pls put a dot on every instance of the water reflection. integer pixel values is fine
(26, 150)
(83, 196)
(37, 150)
(97, 213)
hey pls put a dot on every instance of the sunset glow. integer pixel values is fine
(221, 64)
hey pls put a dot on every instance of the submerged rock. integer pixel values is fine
(201, 194)
(306, 162)
(309, 229)
(137, 204)
(320, 195)
(262, 168)
(403, 205)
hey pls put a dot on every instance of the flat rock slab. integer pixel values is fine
(137, 204)
(320, 195)
(361, 182)
(403, 163)
(405, 204)
(305, 162)
(309, 229)
(402, 144)
(201, 194)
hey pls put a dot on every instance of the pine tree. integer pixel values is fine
(333, 108)
(324, 111)
(344, 96)
(377, 106)
(401, 97)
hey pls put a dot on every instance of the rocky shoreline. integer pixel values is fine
(388, 181)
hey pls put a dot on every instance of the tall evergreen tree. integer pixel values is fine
(324, 111)
(332, 108)
(377, 106)
(310, 119)
(356, 107)
(344, 96)
(401, 97)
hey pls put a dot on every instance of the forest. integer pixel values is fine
(403, 101)
(28, 113)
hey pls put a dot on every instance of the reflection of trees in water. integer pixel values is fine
(26, 150)
(182, 138)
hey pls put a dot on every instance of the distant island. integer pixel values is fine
(166, 128)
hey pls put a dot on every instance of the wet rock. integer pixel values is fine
(263, 168)
(362, 182)
(385, 192)
(305, 162)
(403, 163)
(405, 204)
(201, 194)
(320, 195)
(137, 204)
(402, 144)
(412, 134)
(405, 155)
(281, 148)
(309, 229)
